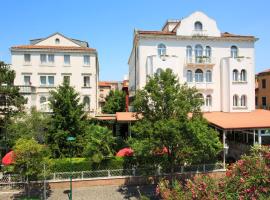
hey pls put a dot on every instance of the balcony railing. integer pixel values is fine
(199, 60)
(27, 89)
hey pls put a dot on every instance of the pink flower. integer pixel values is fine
(242, 180)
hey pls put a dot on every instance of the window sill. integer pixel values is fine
(239, 107)
(86, 65)
(66, 65)
(239, 82)
(46, 65)
(47, 86)
(86, 87)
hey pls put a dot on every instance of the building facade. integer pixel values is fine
(47, 62)
(104, 88)
(220, 65)
(262, 91)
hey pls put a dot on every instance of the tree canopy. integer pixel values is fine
(172, 119)
(67, 120)
(115, 102)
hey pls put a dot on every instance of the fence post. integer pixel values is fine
(182, 169)
(109, 174)
(82, 174)
(54, 176)
(203, 167)
(133, 171)
(9, 178)
(158, 170)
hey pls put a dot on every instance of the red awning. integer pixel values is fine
(8, 159)
(125, 152)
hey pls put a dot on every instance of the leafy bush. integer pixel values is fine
(249, 178)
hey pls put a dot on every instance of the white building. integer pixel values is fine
(220, 65)
(46, 62)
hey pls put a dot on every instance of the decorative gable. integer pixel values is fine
(56, 39)
(198, 24)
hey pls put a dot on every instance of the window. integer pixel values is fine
(189, 51)
(208, 76)
(235, 75)
(43, 58)
(42, 99)
(234, 51)
(67, 59)
(243, 75)
(198, 75)
(208, 101)
(43, 80)
(51, 58)
(208, 52)
(161, 49)
(86, 81)
(66, 79)
(256, 101)
(46, 80)
(26, 80)
(189, 76)
(27, 58)
(86, 103)
(235, 100)
(243, 100)
(263, 83)
(264, 102)
(86, 60)
(198, 53)
(57, 41)
(198, 26)
(200, 96)
(51, 80)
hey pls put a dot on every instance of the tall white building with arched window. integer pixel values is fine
(47, 62)
(220, 65)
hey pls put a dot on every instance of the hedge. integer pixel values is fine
(84, 164)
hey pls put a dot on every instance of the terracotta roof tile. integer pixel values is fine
(226, 34)
(264, 72)
(54, 48)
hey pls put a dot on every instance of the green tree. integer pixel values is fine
(99, 143)
(28, 125)
(68, 119)
(11, 102)
(115, 102)
(172, 120)
(30, 158)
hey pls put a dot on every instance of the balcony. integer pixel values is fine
(199, 61)
(27, 89)
(201, 86)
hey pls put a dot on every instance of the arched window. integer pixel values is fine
(198, 26)
(57, 41)
(243, 100)
(86, 103)
(208, 101)
(198, 75)
(42, 99)
(189, 51)
(159, 70)
(189, 76)
(208, 52)
(234, 51)
(208, 76)
(235, 75)
(243, 75)
(235, 100)
(198, 53)
(161, 49)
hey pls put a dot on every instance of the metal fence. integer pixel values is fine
(15, 180)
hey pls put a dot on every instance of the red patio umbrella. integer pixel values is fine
(8, 159)
(125, 152)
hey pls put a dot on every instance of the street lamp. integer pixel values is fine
(70, 139)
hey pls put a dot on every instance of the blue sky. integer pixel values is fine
(108, 25)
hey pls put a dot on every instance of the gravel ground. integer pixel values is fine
(95, 193)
